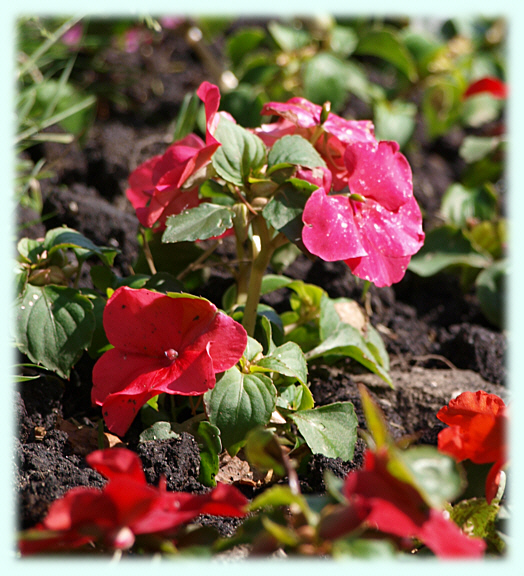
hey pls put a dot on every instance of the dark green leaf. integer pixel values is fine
(386, 44)
(210, 445)
(199, 223)
(59, 238)
(461, 204)
(241, 152)
(329, 430)
(54, 325)
(446, 246)
(243, 42)
(491, 289)
(325, 80)
(238, 403)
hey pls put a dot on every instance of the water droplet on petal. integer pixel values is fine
(171, 354)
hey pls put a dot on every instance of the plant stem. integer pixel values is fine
(262, 252)
(147, 252)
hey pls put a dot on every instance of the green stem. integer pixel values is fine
(263, 249)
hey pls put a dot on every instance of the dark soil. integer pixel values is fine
(439, 342)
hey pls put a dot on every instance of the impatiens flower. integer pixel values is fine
(488, 85)
(126, 507)
(477, 431)
(161, 344)
(167, 184)
(330, 138)
(378, 226)
(395, 507)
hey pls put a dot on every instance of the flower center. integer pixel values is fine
(171, 354)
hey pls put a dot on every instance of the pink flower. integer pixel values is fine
(477, 432)
(488, 85)
(162, 186)
(299, 116)
(127, 506)
(378, 227)
(396, 507)
(74, 35)
(161, 344)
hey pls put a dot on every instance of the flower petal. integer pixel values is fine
(379, 171)
(329, 227)
(116, 462)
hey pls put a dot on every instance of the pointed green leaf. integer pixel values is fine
(238, 403)
(199, 223)
(294, 150)
(210, 445)
(241, 153)
(58, 238)
(287, 360)
(329, 430)
(54, 325)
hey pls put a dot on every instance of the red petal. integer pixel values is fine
(116, 462)
(491, 85)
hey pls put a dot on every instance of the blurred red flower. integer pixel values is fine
(489, 85)
(161, 344)
(395, 507)
(477, 431)
(125, 507)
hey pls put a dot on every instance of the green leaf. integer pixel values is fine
(59, 238)
(294, 150)
(187, 116)
(348, 341)
(241, 152)
(441, 106)
(481, 109)
(263, 451)
(210, 445)
(287, 360)
(394, 121)
(474, 148)
(325, 80)
(461, 204)
(158, 431)
(272, 282)
(279, 496)
(295, 397)
(329, 430)
(288, 38)
(54, 325)
(365, 548)
(478, 517)
(243, 42)
(386, 44)
(284, 211)
(491, 289)
(375, 420)
(343, 40)
(204, 221)
(443, 247)
(435, 475)
(238, 403)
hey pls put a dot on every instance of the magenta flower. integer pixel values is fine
(161, 344)
(299, 116)
(126, 507)
(378, 226)
(163, 185)
(395, 507)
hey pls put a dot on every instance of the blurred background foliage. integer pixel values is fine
(411, 76)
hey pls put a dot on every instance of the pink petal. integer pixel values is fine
(349, 131)
(297, 110)
(329, 227)
(270, 133)
(210, 95)
(379, 171)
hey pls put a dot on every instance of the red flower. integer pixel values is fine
(161, 343)
(397, 508)
(489, 85)
(125, 507)
(378, 227)
(477, 432)
(299, 116)
(164, 185)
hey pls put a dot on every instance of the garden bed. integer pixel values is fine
(439, 342)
